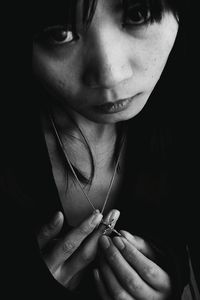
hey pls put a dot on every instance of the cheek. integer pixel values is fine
(154, 62)
(154, 51)
(57, 76)
(154, 65)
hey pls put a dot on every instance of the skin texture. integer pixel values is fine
(75, 251)
(128, 270)
(107, 63)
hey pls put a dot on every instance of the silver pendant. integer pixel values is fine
(109, 228)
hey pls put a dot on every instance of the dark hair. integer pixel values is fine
(49, 13)
(65, 13)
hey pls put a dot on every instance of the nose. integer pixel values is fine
(107, 62)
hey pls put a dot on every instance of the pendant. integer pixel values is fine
(109, 228)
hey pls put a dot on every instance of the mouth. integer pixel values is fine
(114, 107)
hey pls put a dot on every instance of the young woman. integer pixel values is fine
(97, 149)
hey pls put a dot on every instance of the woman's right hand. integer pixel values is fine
(71, 254)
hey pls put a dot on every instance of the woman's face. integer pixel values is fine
(109, 72)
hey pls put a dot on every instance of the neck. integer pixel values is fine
(101, 139)
(98, 135)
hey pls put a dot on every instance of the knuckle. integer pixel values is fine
(68, 246)
(151, 273)
(113, 256)
(85, 229)
(133, 285)
(130, 255)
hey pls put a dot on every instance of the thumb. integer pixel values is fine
(50, 230)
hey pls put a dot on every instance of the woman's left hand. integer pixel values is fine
(128, 270)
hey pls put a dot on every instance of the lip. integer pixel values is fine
(114, 107)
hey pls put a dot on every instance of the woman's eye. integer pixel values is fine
(137, 15)
(58, 35)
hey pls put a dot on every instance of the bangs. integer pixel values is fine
(64, 12)
(49, 13)
(155, 8)
(61, 12)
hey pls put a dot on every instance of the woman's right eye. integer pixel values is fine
(58, 35)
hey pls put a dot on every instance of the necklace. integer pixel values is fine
(108, 227)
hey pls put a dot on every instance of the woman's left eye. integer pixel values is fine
(136, 15)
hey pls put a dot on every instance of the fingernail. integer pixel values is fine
(112, 216)
(95, 211)
(96, 217)
(119, 243)
(56, 218)
(105, 242)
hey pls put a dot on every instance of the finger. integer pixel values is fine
(146, 268)
(111, 282)
(127, 276)
(67, 246)
(109, 222)
(51, 230)
(139, 243)
(100, 286)
(87, 252)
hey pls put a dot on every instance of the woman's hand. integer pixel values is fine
(71, 254)
(128, 270)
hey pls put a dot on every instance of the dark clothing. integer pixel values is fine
(155, 194)
(149, 201)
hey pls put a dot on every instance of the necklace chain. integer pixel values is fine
(60, 142)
